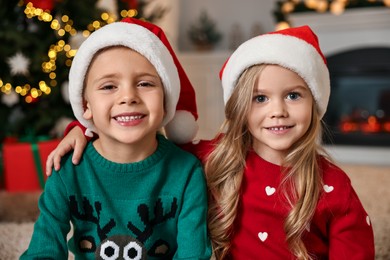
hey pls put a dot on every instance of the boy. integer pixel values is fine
(134, 194)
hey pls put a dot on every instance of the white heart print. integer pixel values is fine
(263, 236)
(368, 221)
(328, 188)
(269, 190)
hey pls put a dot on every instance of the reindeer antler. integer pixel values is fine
(159, 217)
(88, 215)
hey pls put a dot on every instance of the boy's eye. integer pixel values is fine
(145, 84)
(107, 87)
(293, 95)
(260, 98)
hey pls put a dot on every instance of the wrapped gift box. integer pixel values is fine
(24, 165)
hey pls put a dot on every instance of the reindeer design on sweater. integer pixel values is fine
(123, 246)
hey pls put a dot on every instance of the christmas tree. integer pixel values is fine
(204, 33)
(39, 38)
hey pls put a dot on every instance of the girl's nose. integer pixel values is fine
(278, 108)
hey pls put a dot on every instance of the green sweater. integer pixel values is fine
(154, 209)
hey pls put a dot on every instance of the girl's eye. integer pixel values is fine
(260, 98)
(293, 95)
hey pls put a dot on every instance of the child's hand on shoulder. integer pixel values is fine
(76, 140)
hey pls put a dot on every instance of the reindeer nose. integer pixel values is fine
(121, 247)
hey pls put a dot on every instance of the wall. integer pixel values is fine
(225, 13)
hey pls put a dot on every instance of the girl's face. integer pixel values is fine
(124, 97)
(280, 112)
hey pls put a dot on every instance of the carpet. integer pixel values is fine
(18, 211)
(15, 238)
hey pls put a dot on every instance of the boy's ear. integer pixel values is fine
(87, 111)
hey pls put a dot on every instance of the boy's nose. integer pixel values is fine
(128, 96)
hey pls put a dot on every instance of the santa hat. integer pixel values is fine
(150, 41)
(296, 49)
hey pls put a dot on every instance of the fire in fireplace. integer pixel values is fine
(359, 106)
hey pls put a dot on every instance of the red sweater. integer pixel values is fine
(340, 229)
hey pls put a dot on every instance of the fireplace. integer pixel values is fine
(359, 105)
(356, 45)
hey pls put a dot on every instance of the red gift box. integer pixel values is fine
(24, 165)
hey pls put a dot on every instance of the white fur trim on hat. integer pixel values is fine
(137, 38)
(287, 51)
(182, 128)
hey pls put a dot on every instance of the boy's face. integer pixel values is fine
(280, 113)
(124, 96)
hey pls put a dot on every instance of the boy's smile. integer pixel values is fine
(129, 119)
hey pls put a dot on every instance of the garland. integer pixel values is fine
(286, 7)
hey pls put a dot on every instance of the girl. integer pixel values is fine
(275, 193)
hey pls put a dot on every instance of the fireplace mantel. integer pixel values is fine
(359, 27)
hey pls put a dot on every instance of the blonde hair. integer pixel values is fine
(226, 163)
